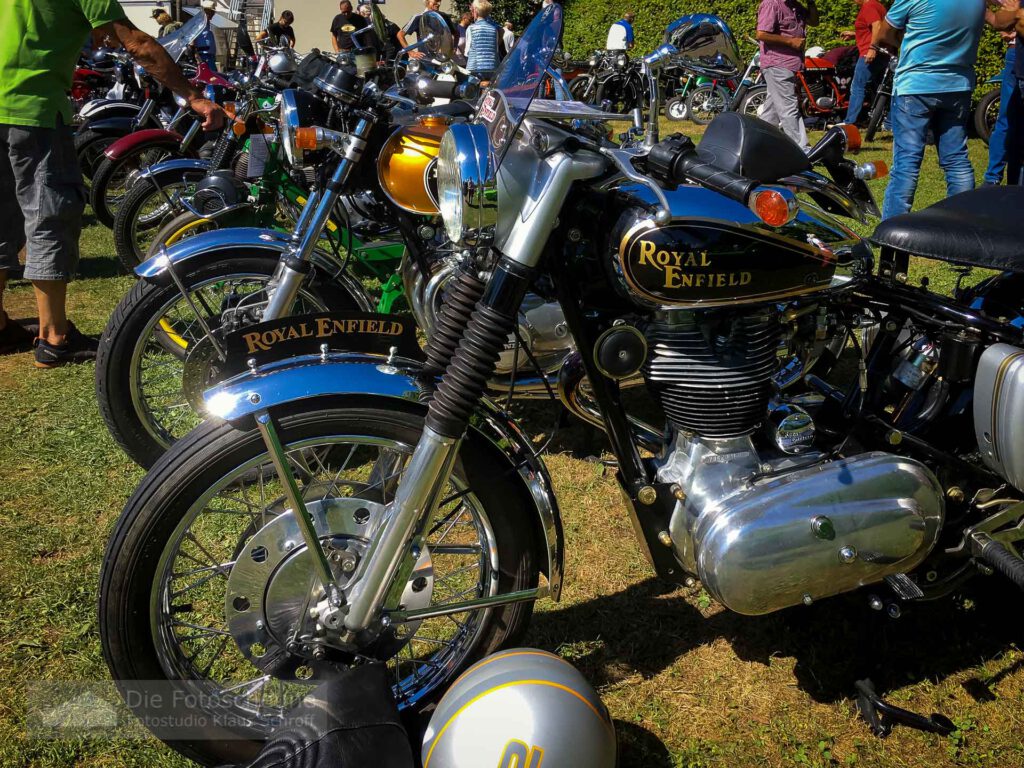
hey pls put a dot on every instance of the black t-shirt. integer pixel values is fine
(344, 37)
(414, 25)
(281, 34)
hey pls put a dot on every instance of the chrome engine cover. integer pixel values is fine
(999, 411)
(803, 535)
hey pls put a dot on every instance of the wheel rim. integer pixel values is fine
(121, 180)
(992, 115)
(187, 230)
(707, 104)
(677, 109)
(152, 213)
(192, 639)
(157, 366)
(754, 104)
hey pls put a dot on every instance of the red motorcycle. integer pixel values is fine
(823, 84)
(140, 149)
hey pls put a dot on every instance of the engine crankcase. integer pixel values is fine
(807, 534)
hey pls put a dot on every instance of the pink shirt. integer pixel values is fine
(782, 17)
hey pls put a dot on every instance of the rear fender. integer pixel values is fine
(155, 137)
(366, 379)
(242, 241)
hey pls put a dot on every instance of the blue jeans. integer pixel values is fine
(946, 115)
(1004, 146)
(863, 76)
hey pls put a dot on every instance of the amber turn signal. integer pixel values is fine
(773, 207)
(874, 170)
(853, 140)
(305, 138)
(231, 109)
(238, 129)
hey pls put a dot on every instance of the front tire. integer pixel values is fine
(141, 363)
(197, 504)
(145, 210)
(878, 112)
(89, 148)
(986, 114)
(706, 102)
(111, 178)
(754, 101)
(676, 109)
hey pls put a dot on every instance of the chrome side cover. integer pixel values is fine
(805, 535)
(338, 374)
(999, 411)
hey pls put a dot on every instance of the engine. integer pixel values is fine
(712, 374)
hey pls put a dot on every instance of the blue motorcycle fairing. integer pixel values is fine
(370, 377)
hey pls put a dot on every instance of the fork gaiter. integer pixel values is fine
(473, 363)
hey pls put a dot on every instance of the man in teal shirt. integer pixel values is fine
(934, 82)
(41, 194)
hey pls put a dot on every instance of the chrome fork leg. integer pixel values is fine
(398, 541)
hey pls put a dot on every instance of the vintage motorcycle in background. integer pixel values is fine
(354, 504)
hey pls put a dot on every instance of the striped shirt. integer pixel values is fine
(482, 46)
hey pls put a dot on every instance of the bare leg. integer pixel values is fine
(51, 299)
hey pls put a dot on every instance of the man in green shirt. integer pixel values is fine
(41, 193)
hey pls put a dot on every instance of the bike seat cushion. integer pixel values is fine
(752, 148)
(977, 229)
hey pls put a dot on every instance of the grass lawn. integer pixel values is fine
(688, 683)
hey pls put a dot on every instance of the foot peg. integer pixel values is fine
(881, 716)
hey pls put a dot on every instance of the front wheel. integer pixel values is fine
(754, 101)
(145, 210)
(878, 112)
(200, 592)
(676, 109)
(89, 148)
(155, 359)
(706, 102)
(986, 114)
(112, 178)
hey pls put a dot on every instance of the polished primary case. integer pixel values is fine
(999, 411)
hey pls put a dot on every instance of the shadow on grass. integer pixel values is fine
(650, 625)
(90, 267)
(639, 747)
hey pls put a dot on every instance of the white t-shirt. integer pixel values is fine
(616, 38)
(510, 38)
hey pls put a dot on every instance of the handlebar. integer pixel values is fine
(675, 160)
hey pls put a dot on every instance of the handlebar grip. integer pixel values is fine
(727, 183)
(675, 160)
(1003, 560)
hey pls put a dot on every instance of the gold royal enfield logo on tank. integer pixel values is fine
(697, 264)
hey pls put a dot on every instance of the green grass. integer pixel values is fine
(689, 683)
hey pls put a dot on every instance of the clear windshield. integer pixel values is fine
(178, 41)
(504, 105)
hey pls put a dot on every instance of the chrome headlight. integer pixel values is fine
(466, 187)
(621, 61)
(413, 66)
(290, 122)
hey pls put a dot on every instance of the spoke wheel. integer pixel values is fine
(145, 210)
(170, 596)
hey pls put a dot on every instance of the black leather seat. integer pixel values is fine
(980, 228)
(751, 148)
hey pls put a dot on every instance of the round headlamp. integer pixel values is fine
(466, 187)
(413, 66)
(621, 61)
(298, 108)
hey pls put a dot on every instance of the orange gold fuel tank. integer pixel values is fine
(407, 165)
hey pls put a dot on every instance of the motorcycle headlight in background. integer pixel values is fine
(298, 108)
(621, 61)
(466, 186)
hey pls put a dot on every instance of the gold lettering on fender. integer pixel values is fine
(253, 342)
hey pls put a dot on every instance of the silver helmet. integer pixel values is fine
(522, 708)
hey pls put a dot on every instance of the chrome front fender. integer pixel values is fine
(365, 376)
(224, 243)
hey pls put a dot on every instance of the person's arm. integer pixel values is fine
(154, 59)
(796, 43)
(767, 23)
(1006, 15)
(334, 36)
(263, 35)
(1020, 22)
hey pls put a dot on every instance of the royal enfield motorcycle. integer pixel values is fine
(352, 505)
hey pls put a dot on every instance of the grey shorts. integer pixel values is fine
(41, 200)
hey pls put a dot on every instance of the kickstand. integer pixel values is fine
(880, 715)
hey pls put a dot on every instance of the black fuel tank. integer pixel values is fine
(717, 252)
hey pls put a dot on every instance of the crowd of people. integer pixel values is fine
(937, 45)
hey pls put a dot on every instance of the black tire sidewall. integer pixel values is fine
(214, 449)
(127, 212)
